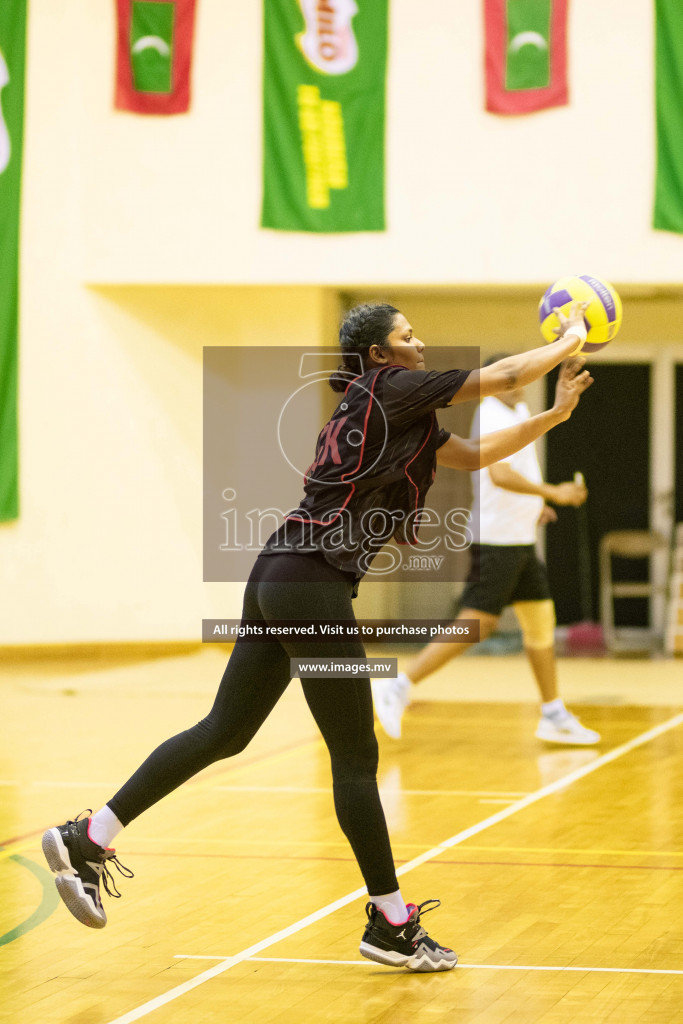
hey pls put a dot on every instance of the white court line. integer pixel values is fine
(506, 801)
(57, 785)
(469, 967)
(318, 915)
(504, 794)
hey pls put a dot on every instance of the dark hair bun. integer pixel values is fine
(340, 379)
(363, 326)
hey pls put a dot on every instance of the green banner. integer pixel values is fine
(12, 50)
(668, 212)
(324, 82)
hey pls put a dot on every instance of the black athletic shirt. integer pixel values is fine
(374, 462)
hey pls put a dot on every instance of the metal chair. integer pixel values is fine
(623, 544)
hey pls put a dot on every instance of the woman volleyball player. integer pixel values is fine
(378, 451)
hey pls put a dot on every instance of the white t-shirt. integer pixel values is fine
(500, 516)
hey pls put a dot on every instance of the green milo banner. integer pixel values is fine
(12, 49)
(668, 210)
(323, 115)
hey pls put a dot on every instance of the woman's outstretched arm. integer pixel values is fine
(517, 371)
(477, 453)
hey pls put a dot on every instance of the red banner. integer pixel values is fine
(154, 55)
(525, 55)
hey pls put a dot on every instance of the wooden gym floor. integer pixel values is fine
(559, 870)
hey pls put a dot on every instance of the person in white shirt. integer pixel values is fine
(510, 501)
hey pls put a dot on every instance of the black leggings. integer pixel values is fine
(295, 586)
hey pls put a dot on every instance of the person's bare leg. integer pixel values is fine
(557, 724)
(544, 667)
(436, 654)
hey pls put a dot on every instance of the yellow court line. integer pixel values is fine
(10, 851)
(498, 800)
(560, 849)
(153, 841)
(504, 795)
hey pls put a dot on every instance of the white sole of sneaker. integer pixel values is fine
(56, 853)
(425, 964)
(69, 885)
(566, 741)
(390, 958)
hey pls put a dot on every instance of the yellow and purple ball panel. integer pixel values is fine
(602, 318)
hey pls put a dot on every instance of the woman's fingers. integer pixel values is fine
(576, 366)
(583, 380)
(576, 312)
(572, 367)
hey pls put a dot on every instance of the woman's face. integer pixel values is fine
(405, 349)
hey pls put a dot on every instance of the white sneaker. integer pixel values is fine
(567, 730)
(391, 697)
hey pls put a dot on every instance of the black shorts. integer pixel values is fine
(503, 574)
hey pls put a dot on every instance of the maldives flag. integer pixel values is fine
(154, 54)
(526, 55)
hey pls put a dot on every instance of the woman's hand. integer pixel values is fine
(477, 453)
(571, 384)
(572, 324)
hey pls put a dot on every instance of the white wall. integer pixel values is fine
(109, 541)
(471, 197)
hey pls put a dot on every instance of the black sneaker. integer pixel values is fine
(407, 944)
(79, 864)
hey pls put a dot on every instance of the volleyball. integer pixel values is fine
(602, 317)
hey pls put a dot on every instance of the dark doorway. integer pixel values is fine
(608, 440)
